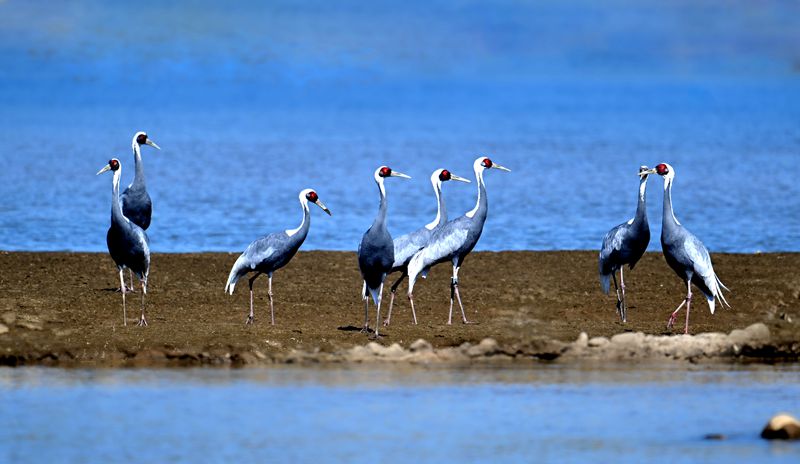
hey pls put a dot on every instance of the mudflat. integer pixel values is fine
(64, 308)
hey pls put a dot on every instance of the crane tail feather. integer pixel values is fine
(236, 273)
(605, 282)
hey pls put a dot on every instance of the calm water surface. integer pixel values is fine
(385, 414)
(253, 103)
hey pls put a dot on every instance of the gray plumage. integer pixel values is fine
(376, 250)
(406, 246)
(272, 252)
(686, 254)
(128, 243)
(455, 240)
(136, 203)
(625, 244)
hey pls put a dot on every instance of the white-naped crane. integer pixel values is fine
(270, 253)
(686, 254)
(127, 243)
(625, 244)
(376, 251)
(136, 203)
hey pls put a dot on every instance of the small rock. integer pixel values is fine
(782, 427)
(628, 338)
(598, 342)
(394, 351)
(30, 325)
(3, 328)
(9, 318)
(487, 347)
(758, 332)
(374, 348)
(582, 341)
(420, 346)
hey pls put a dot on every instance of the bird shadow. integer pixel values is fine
(115, 290)
(351, 328)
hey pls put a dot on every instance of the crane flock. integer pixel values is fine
(415, 253)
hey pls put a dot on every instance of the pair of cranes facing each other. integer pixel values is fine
(684, 252)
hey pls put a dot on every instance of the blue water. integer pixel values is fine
(255, 101)
(385, 414)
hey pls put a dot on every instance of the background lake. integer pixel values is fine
(255, 101)
(545, 413)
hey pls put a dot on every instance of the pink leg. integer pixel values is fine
(413, 311)
(365, 329)
(674, 315)
(624, 305)
(142, 320)
(463, 315)
(271, 307)
(251, 318)
(378, 313)
(688, 307)
(122, 289)
(388, 319)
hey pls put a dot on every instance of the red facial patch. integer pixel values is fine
(141, 139)
(662, 169)
(487, 163)
(312, 196)
(444, 175)
(385, 172)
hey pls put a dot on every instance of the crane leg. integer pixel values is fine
(142, 321)
(396, 284)
(271, 308)
(624, 304)
(674, 315)
(688, 305)
(454, 293)
(122, 289)
(365, 329)
(619, 300)
(377, 336)
(131, 289)
(251, 318)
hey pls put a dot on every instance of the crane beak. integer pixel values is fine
(324, 208)
(107, 168)
(647, 172)
(152, 144)
(399, 174)
(502, 168)
(458, 178)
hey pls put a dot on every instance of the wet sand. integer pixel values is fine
(62, 308)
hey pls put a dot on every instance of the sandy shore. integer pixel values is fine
(62, 309)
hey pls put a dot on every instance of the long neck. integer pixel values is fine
(482, 205)
(302, 230)
(116, 208)
(641, 207)
(668, 215)
(138, 177)
(441, 210)
(380, 219)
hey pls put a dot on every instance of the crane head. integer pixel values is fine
(386, 171)
(486, 163)
(311, 196)
(141, 138)
(644, 171)
(113, 165)
(444, 175)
